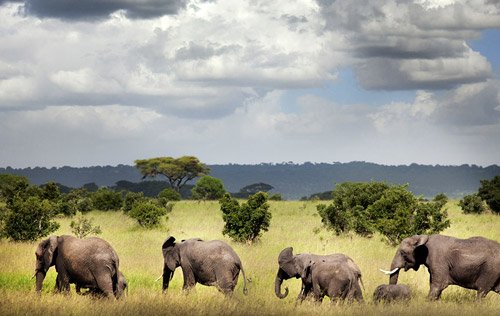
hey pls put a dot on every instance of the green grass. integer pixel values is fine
(293, 224)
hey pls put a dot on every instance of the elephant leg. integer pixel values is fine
(435, 291)
(104, 282)
(189, 280)
(226, 284)
(304, 292)
(481, 293)
(336, 293)
(62, 283)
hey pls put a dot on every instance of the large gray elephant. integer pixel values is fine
(211, 263)
(335, 275)
(472, 263)
(90, 263)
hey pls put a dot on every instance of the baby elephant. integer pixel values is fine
(391, 293)
(121, 287)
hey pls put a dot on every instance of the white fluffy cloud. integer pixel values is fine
(108, 84)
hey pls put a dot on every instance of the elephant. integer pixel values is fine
(472, 263)
(335, 275)
(90, 263)
(120, 289)
(391, 293)
(211, 263)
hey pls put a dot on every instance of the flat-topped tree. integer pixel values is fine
(178, 171)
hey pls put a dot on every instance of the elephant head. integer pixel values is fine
(171, 259)
(46, 254)
(290, 266)
(411, 253)
(121, 285)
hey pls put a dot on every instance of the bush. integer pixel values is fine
(348, 209)
(276, 197)
(11, 186)
(130, 199)
(393, 211)
(50, 191)
(29, 219)
(399, 214)
(472, 204)
(82, 227)
(489, 191)
(245, 223)
(105, 199)
(208, 188)
(147, 214)
(169, 194)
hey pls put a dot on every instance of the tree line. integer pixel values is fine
(28, 212)
(293, 181)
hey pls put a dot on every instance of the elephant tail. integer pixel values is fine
(361, 282)
(245, 289)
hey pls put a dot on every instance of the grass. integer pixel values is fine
(294, 224)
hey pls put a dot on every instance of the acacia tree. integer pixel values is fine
(178, 171)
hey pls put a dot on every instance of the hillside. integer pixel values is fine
(293, 181)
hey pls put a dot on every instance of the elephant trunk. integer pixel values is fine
(40, 276)
(396, 265)
(277, 286)
(167, 276)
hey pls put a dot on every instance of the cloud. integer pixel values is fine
(96, 9)
(407, 45)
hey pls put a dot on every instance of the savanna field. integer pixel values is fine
(293, 224)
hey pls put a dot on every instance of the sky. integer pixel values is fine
(93, 82)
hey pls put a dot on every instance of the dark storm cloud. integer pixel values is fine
(401, 48)
(387, 74)
(100, 9)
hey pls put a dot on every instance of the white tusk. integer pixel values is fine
(389, 272)
(33, 276)
(159, 278)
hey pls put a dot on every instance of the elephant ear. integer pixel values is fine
(286, 255)
(420, 240)
(46, 250)
(420, 251)
(168, 253)
(305, 274)
(169, 242)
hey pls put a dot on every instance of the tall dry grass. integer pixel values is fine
(294, 224)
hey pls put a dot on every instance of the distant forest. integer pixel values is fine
(292, 181)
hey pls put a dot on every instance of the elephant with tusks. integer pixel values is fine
(472, 263)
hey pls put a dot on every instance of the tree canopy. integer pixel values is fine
(178, 171)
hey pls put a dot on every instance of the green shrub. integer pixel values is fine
(348, 209)
(30, 219)
(105, 199)
(50, 191)
(276, 197)
(245, 222)
(169, 194)
(472, 204)
(148, 214)
(489, 191)
(130, 199)
(82, 227)
(393, 211)
(208, 188)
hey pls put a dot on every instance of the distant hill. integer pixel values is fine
(293, 181)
